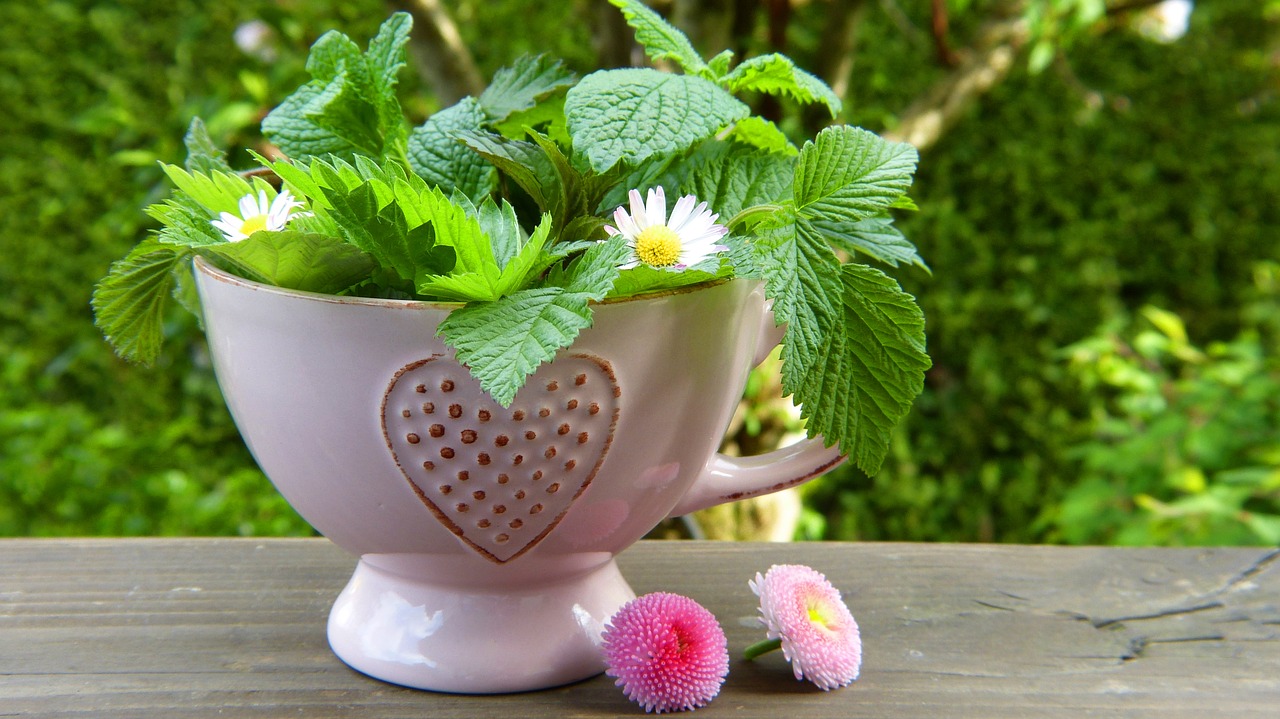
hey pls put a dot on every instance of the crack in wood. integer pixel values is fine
(1104, 623)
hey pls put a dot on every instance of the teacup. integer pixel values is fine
(486, 535)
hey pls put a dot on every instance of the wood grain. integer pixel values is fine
(231, 627)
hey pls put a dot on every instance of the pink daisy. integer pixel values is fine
(667, 652)
(805, 615)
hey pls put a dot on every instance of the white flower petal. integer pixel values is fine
(637, 209)
(655, 209)
(681, 213)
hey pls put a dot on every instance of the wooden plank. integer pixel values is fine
(235, 627)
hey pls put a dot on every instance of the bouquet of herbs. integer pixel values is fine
(548, 193)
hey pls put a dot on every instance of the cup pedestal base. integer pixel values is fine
(413, 631)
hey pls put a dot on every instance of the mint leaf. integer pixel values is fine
(875, 237)
(731, 177)
(802, 276)
(520, 86)
(393, 217)
(203, 155)
(776, 74)
(129, 304)
(500, 225)
(642, 279)
(294, 260)
(524, 162)
(661, 41)
(868, 370)
(848, 174)
(218, 191)
(504, 342)
(437, 156)
(479, 275)
(631, 115)
(759, 132)
(349, 107)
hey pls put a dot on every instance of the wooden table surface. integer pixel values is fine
(236, 628)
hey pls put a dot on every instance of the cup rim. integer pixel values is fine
(203, 266)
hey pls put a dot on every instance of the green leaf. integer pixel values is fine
(776, 74)
(875, 237)
(500, 225)
(868, 370)
(524, 162)
(129, 304)
(437, 155)
(802, 277)
(719, 65)
(642, 279)
(661, 40)
(393, 217)
(848, 174)
(217, 191)
(731, 177)
(349, 107)
(519, 87)
(203, 155)
(504, 342)
(759, 132)
(633, 114)
(295, 260)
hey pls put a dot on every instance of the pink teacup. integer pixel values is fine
(486, 535)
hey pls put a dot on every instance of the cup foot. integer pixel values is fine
(411, 631)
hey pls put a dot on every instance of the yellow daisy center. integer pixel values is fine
(253, 224)
(658, 246)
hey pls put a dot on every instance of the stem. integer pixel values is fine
(751, 212)
(761, 647)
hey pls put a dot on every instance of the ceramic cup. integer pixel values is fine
(486, 535)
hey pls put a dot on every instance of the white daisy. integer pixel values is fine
(256, 214)
(688, 237)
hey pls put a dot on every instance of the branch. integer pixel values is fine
(985, 65)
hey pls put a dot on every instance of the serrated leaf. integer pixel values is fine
(437, 155)
(129, 304)
(730, 177)
(393, 218)
(504, 342)
(875, 237)
(759, 132)
(203, 155)
(349, 106)
(776, 74)
(499, 223)
(802, 277)
(868, 370)
(519, 87)
(848, 174)
(642, 279)
(719, 65)
(633, 114)
(660, 39)
(217, 191)
(295, 260)
(523, 162)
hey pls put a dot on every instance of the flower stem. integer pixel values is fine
(754, 212)
(761, 647)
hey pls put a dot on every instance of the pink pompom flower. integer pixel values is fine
(804, 615)
(667, 652)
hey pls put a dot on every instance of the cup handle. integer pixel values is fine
(728, 479)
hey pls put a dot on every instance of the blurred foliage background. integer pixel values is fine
(1098, 201)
